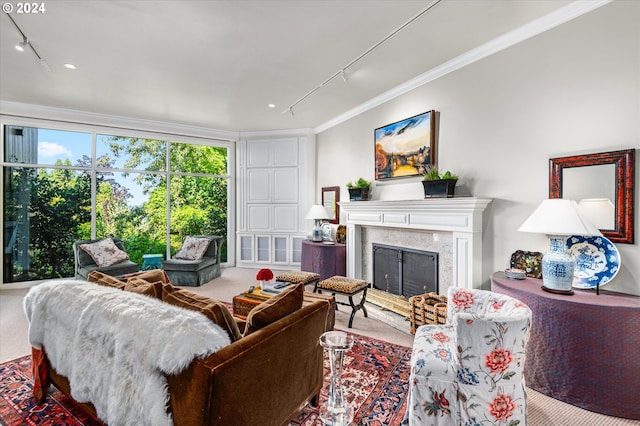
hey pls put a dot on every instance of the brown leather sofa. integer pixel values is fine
(264, 377)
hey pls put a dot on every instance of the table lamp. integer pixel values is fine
(558, 219)
(317, 213)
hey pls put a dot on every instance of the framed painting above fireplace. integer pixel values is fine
(406, 147)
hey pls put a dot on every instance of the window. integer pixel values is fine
(56, 190)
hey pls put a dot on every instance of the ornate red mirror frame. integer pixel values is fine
(624, 162)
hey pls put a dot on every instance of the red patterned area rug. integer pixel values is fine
(375, 377)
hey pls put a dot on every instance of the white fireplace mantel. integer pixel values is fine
(461, 216)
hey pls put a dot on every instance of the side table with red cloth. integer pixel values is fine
(584, 349)
(327, 260)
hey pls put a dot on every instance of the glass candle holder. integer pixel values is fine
(336, 411)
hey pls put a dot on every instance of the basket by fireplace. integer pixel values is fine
(429, 308)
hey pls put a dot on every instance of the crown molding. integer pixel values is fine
(302, 132)
(533, 28)
(32, 111)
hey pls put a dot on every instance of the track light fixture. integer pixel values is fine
(341, 72)
(25, 43)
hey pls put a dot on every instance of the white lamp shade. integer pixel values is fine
(558, 216)
(600, 211)
(317, 212)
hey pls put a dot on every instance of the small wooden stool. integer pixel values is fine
(348, 287)
(299, 277)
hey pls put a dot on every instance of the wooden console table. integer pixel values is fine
(583, 349)
(325, 259)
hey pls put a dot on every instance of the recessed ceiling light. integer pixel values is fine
(70, 66)
(271, 105)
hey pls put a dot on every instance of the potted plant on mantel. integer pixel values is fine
(438, 184)
(360, 190)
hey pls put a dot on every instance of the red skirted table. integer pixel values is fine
(325, 259)
(583, 349)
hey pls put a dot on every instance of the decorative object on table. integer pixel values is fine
(429, 308)
(604, 174)
(330, 198)
(263, 276)
(359, 190)
(317, 213)
(515, 273)
(438, 185)
(558, 219)
(326, 232)
(529, 261)
(341, 234)
(336, 411)
(406, 147)
(597, 261)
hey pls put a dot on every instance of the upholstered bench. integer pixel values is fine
(348, 287)
(299, 277)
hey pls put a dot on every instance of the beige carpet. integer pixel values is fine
(543, 411)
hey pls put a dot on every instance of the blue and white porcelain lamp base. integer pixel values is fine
(557, 267)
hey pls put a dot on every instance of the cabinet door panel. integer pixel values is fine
(259, 218)
(280, 249)
(296, 249)
(263, 248)
(258, 182)
(285, 152)
(246, 248)
(258, 154)
(285, 218)
(285, 185)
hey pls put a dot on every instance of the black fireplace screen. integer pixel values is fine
(403, 271)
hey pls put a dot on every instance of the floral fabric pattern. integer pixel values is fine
(470, 370)
(105, 252)
(193, 248)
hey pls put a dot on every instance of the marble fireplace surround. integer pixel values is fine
(460, 217)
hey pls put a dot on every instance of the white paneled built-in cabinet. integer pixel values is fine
(275, 191)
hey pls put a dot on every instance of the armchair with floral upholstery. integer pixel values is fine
(469, 371)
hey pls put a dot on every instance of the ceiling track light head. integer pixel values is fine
(22, 45)
(343, 75)
(289, 111)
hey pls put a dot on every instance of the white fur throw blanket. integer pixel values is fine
(114, 346)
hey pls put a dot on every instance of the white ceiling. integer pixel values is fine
(218, 64)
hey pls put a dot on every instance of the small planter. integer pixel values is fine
(359, 194)
(440, 188)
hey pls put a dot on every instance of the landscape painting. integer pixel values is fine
(405, 148)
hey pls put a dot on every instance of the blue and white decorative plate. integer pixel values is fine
(326, 231)
(597, 260)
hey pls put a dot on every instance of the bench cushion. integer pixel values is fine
(344, 285)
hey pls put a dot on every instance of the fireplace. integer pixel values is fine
(451, 227)
(403, 271)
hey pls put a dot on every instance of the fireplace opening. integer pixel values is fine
(403, 271)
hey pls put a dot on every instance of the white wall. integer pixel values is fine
(572, 90)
